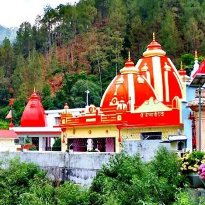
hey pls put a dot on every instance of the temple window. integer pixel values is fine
(57, 120)
(175, 103)
(181, 145)
(151, 135)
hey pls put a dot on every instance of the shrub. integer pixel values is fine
(16, 180)
(71, 194)
(119, 181)
(191, 161)
(184, 198)
(129, 180)
(166, 166)
(40, 192)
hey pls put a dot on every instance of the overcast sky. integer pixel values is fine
(14, 12)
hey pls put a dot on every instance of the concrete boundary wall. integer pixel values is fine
(80, 168)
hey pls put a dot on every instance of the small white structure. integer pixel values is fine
(8, 140)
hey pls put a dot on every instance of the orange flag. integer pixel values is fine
(9, 115)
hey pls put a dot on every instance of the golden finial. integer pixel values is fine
(129, 55)
(195, 55)
(153, 36)
(34, 89)
(181, 67)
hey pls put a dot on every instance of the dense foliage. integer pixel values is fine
(129, 180)
(18, 179)
(74, 48)
(26, 184)
(124, 180)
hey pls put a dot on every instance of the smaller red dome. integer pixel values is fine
(129, 67)
(201, 69)
(154, 45)
(129, 63)
(182, 72)
(154, 49)
(33, 114)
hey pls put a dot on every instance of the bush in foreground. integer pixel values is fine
(129, 180)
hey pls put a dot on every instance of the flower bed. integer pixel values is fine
(191, 161)
(192, 167)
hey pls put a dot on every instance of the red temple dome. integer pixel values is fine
(128, 87)
(33, 115)
(160, 73)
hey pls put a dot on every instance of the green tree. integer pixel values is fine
(117, 15)
(78, 92)
(7, 58)
(47, 99)
(71, 194)
(16, 180)
(169, 166)
(40, 192)
(86, 13)
(7, 62)
(18, 77)
(24, 42)
(129, 180)
(169, 31)
(73, 91)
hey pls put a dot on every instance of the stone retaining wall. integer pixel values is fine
(80, 168)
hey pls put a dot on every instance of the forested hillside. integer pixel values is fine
(74, 48)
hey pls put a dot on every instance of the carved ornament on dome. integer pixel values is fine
(119, 117)
(167, 67)
(129, 70)
(145, 67)
(120, 80)
(122, 106)
(114, 101)
(154, 52)
(66, 112)
(140, 79)
(152, 105)
(91, 109)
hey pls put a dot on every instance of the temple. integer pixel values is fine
(150, 101)
(37, 125)
(146, 101)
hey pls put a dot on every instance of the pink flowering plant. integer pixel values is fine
(201, 171)
(191, 161)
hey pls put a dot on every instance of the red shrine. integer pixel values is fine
(142, 102)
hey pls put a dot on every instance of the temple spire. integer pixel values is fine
(129, 55)
(153, 36)
(196, 64)
(195, 56)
